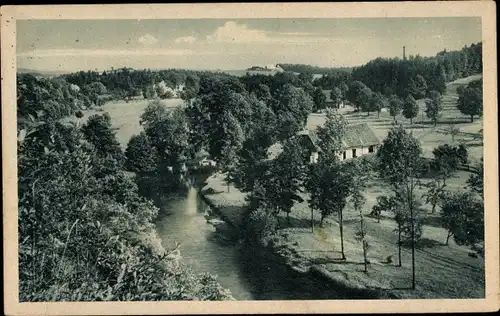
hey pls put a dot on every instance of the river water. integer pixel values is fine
(244, 272)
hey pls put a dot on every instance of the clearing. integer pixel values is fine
(124, 116)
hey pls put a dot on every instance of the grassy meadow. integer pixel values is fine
(124, 116)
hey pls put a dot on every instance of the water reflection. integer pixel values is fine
(247, 273)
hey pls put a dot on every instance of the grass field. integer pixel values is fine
(125, 116)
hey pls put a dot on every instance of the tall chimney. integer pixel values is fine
(404, 54)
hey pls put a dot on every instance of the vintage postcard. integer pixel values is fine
(250, 158)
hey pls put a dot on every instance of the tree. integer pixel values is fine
(435, 192)
(226, 146)
(319, 99)
(476, 180)
(377, 103)
(329, 185)
(384, 204)
(392, 204)
(359, 174)
(141, 155)
(263, 93)
(439, 79)
(410, 108)
(331, 133)
(452, 130)
(447, 159)
(418, 87)
(400, 164)
(149, 92)
(79, 115)
(395, 105)
(434, 106)
(354, 94)
(99, 132)
(336, 96)
(463, 216)
(470, 99)
(154, 112)
(344, 88)
(288, 174)
(364, 100)
(292, 107)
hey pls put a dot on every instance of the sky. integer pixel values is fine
(72, 45)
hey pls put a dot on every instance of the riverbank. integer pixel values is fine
(442, 271)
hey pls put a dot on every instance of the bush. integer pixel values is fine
(260, 226)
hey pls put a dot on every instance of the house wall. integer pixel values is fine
(360, 151)
(314, 157)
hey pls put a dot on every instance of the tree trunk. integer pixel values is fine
(434, 206)
(448, 238)
(321, 222)
(399, 245)
(312, 220)
(410, 195)
(341, 235)
(368, 113)
(228, 188)
(378, 114)
(435, 123)
(411, 121)
(288, 218)
(472, 118)
(363, 241)
(364, 257)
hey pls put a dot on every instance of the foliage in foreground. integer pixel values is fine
(86, 234)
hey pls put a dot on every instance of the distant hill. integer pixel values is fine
(41, 73)
(301, 68)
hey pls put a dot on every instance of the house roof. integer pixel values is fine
(310, 140)
(359, 135)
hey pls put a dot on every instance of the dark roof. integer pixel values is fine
(359, 135)
(310, 140)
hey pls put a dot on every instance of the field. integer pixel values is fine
(124, 116)
(442, 271)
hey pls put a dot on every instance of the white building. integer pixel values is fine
(358, 140)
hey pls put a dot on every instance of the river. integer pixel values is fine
(244, 272)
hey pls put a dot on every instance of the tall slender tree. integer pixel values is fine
(399, 165)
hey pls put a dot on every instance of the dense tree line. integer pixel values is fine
(301, 68)
(418, 75)
(53, 98)
(128, 83)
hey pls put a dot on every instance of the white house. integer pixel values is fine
(358, 140)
